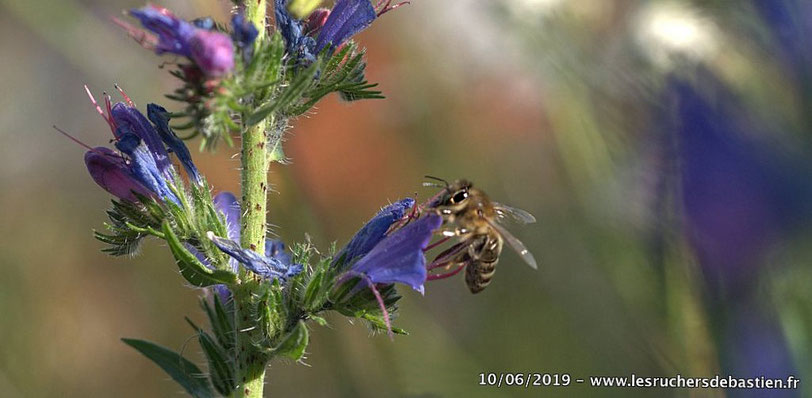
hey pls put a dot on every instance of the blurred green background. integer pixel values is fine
(545, 104)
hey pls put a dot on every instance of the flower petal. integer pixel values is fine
(347, 18)
(109, 170)
(399, 257)
(129, 119)
(266, 267)
(227, 203)
(160, 117)
(213, 52)
(374, 230)
(173, 33)
(143, 165)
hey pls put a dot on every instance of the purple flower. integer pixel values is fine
(276, 263)
(112, 173)
(328, 29)
(211, 51)
(173, 33)
(347, 18)
(160, 117)
(383, 252)
(297, 43)
(142, 166)
(244, 32)
(374, 231)
(398, 258)
(739, 195)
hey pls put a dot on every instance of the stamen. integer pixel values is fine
(142, 37)
(383, 8)
(123, 94)
(107, 118)
(435, 244)
(434, 277)
(381, 305)
(72, 138)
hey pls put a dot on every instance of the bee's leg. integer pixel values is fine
(432, 277)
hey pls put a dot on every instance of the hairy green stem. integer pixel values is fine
(250, 362)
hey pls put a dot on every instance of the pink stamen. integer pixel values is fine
(434, 277)
(381, 305)
(435, 244)
(123, 94)
(107, 118)
(74, 139)
(385, 6)
(142, 37)
(86, 146)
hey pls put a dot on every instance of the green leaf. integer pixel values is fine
(221, 323)
(294, 344)
(220, 372)
(378, 323)
(190, 267)
(292, 93)
(179, 368)
(313, 290)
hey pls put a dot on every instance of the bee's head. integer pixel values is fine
(458, 192)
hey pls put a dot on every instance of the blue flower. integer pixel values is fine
(276, 263)
(385, 252)
(244, 32)
(327, 29)
(374, 231)
(160, 117)
(142, 166)
(211, 51)
(173, 33)
(111, 171)
(398, 258)
(739, 195)
(297, 44)
(347, 18)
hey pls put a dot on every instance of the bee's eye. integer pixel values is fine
(459, 196)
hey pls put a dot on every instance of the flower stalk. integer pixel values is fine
(250, 363)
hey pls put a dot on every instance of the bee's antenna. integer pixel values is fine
(437, 179)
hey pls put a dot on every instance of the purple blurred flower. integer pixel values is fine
(276, 263)
(790, 22)
(173, 33)
(327, 28)
(754, 346)
(738, 195)
(212, 52)
(244, 33)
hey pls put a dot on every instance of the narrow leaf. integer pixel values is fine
(179, 368)
(190, 267)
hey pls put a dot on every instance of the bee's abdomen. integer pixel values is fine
(478, 275)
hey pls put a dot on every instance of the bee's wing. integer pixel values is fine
(516, 244)
(517, 215)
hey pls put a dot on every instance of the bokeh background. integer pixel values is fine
(663, 146)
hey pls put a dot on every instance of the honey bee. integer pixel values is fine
(471, 216)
